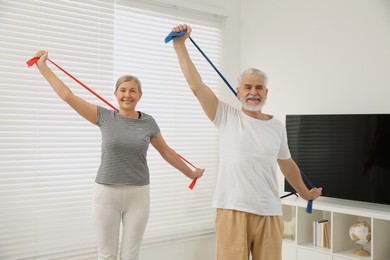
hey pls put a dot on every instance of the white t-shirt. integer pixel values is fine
(248, 153)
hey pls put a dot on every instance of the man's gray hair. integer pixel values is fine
(253, 71)
(126, 78)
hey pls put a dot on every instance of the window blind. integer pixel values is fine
(140, 29)
(49, 155)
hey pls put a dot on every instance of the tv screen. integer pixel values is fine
(347, 155)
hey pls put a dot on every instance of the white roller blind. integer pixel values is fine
(49, 155)
(140, 29)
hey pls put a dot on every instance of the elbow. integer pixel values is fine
(194, 90)
(196, 86)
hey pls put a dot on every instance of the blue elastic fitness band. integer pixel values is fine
(170, 36)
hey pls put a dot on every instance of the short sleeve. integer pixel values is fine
(284, 151)
(102, 115)
(221, 115)
(155, 129)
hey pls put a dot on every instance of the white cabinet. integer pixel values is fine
(340, 258)
(341, 214)
(306, 254)
(289, 251)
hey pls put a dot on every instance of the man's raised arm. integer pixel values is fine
(203, 93)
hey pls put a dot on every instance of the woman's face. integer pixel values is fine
(128, 95)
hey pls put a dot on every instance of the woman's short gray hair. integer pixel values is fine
(126, 78)
(253, 71)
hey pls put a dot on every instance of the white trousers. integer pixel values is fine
(116, 204)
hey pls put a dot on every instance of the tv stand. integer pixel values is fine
(341, 215)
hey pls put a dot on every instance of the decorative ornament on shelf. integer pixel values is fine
(360, 233)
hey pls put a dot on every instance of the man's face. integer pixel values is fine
(252, 92)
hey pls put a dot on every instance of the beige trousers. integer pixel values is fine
(240, 234)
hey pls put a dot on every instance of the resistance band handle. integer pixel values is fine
(309, 207)
(172, 35)
(32, 61)
(192, 184)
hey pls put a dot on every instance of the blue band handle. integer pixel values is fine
(172, 35)
(309, 207)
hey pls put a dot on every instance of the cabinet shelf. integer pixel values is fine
(311, 247)
(341, 214)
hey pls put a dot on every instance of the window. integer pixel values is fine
(49, 155)
(140, 50)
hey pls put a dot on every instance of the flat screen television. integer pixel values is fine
(348, 155)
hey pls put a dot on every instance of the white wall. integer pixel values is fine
(321, 56)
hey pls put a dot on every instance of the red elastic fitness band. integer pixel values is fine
(34, 60)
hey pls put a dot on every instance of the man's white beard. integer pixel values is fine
(255, 108)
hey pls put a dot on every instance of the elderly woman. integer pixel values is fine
(122, 181)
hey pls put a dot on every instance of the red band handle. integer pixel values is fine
(192, 184)
(32, 61)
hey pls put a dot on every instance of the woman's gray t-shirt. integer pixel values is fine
(125, 142)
